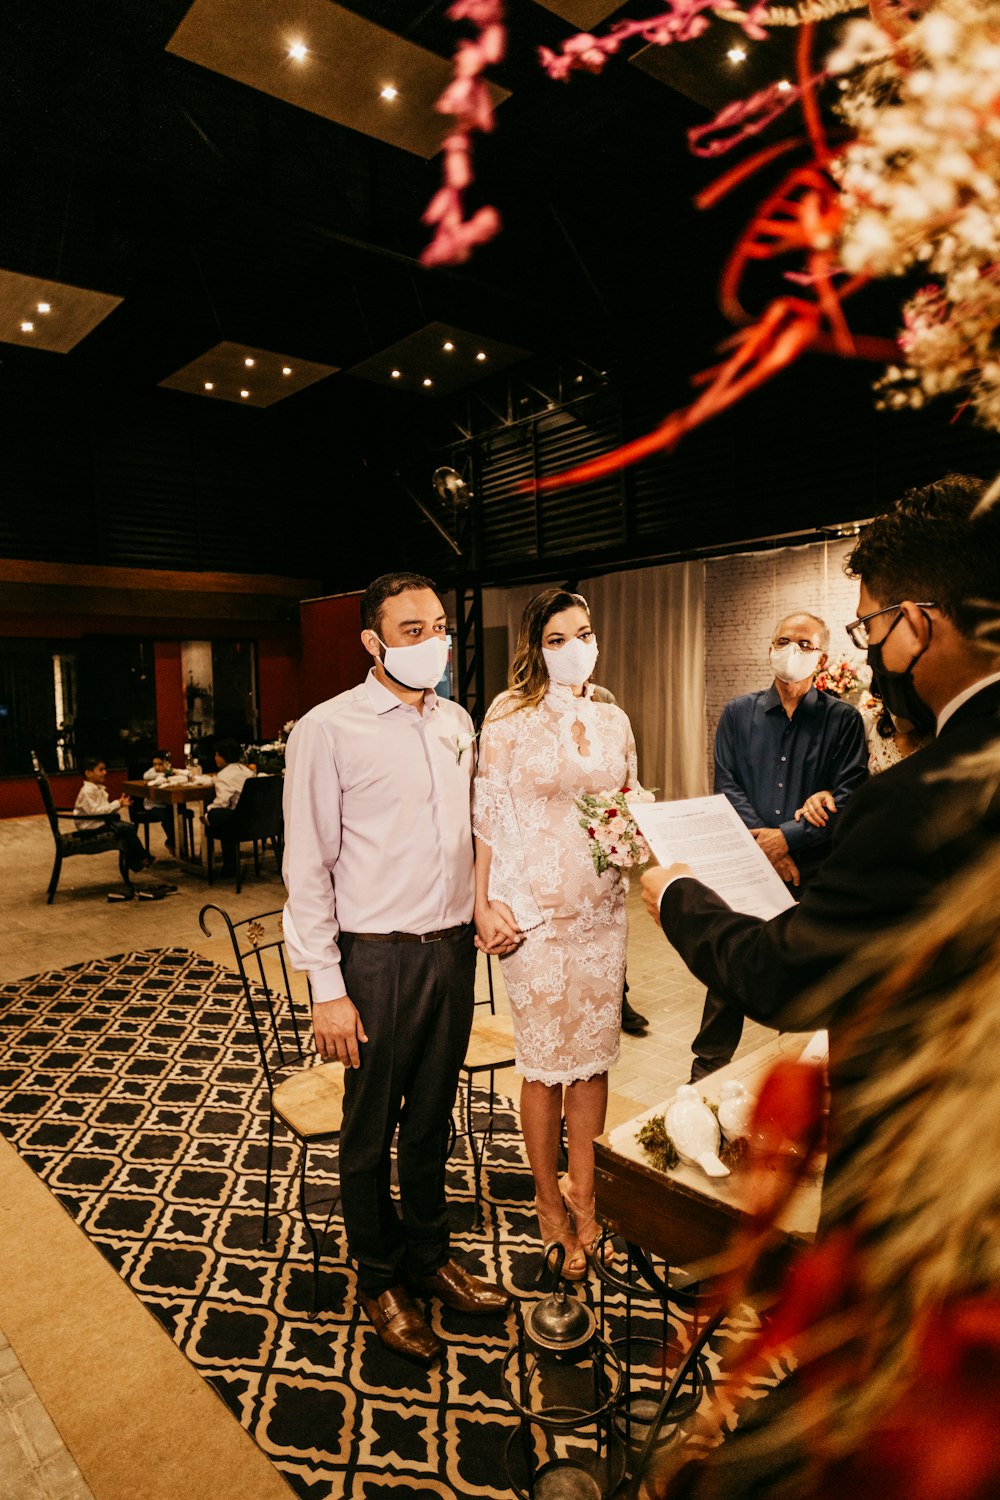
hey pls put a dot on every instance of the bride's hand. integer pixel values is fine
(496, 929)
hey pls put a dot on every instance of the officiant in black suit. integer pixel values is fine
(929, 617)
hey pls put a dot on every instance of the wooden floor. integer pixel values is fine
(94, 1397)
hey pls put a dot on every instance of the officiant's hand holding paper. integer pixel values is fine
(654, 882)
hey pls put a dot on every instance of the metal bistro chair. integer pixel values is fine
(96, 841)
(308, 1098)
(256, 819)
(491, 1047)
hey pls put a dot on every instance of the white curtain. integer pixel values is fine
(650, 626)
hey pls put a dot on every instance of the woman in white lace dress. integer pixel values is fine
(558, 925)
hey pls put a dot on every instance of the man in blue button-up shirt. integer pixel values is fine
(773, 749)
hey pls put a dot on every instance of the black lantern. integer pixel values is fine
(563, 1378)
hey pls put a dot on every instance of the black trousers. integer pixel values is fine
(415, 1001)
(125, 834)
(722, 1022)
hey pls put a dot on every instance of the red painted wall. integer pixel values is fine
(171, 715)
(333, 658)
(278, 687)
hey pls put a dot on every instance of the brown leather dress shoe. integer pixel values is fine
(400, 1326)
(456, 1288)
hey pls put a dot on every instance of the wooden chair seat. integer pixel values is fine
(311, 1101)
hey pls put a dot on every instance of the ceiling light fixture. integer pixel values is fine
(44, 307)
(286, 369)
(480, 356)
(244, 394)
(395, 374)
(210, 385)
(389, 93)
(737, 54)
(27, 327)
(427, 380)
(298, 51)
(448, 346)
(784, 85)
(249, 363)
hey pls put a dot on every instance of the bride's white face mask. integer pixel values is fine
(572, 664)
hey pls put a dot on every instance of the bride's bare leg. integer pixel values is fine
(586, 1105)
(541, 1124)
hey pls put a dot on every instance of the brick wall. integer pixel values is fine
(747, 594)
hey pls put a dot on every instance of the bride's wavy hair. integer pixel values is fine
(528, 677)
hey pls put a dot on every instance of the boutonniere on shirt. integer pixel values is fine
(463, 742)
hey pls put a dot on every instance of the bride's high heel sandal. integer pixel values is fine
(560, 1231)
(585, 1225)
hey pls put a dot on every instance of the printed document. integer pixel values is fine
(708, 834)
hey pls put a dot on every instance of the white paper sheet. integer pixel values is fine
(708, 834)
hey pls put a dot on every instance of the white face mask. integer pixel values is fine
(419, 666)
(792, 664)
(573, 663)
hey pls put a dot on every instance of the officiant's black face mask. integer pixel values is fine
(896, 689)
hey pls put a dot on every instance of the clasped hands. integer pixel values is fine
(497, 931)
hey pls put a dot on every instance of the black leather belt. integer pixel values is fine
(408, 937)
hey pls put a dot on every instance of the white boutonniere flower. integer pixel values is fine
(463, 742)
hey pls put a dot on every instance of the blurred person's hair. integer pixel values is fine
(91, 762)
(230, 750)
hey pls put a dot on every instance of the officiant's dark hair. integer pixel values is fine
(941, 544)
(528, 678)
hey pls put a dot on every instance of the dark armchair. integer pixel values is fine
(97, 841)
(256, 820)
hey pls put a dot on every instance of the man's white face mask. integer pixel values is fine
(419, 666)
(791, 664)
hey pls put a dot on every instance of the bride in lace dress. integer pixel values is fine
(559, 927)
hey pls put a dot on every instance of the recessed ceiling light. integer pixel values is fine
(395, 374)
(448, 346)
(737, 54)
(784, 85)
(298, 51)
(427, 380)
(249, 363)
(210, 385)
(27, 327)
(480, 356)
(389, 92)
(244, 394)
(44, 307)
(286, 369)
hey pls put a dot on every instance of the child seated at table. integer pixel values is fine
(159, 812)
(101, 813)
(229, 782)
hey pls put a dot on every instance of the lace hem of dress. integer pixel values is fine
(576, 1075)
(527, 915)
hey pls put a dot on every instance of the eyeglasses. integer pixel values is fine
(858, 629)
(786, 640)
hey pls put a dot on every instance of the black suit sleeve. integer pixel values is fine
(876, 876)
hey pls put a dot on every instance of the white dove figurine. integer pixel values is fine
(734, 1109)
(695, 1132)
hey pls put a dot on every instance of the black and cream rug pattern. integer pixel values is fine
(131, 1086)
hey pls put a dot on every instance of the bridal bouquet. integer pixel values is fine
(614, 836)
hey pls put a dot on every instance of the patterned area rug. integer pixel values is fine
(131, 1086)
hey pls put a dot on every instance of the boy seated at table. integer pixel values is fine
(159, 812)
(230, 778)
(100, 813)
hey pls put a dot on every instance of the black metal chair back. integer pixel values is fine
(304, 1094)
(256, 819)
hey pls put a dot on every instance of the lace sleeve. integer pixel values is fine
(495, 822)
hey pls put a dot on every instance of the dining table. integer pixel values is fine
(179, 791)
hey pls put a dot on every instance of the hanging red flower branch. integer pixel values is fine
(468, 99)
